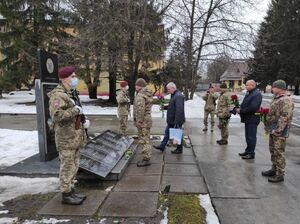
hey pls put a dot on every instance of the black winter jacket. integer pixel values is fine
(249, 106)
(175, 112)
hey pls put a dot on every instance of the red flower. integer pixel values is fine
(234, 97)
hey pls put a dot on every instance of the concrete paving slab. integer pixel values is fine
(181, 170)
(138, 183)
(184, 184)
(88, 208)
(234, 180)
(154, 169)
(130, 204)
(275, 210)
(185, 152)
(155, 158)
(181, 159)
(228, 154)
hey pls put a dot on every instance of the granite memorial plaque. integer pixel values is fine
(102, 153)
(48, 71)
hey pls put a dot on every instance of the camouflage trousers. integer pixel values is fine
(277, 148)
(212, 118)
(69, 164)
(144, 141)
(223, 126)
(123, 124)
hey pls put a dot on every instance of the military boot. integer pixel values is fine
(143, 163)
(78, 194)
(222, 142)
(70, 199)
(205, 128)
(269, 173)
(276, 179)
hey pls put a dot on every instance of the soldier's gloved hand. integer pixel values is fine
(87, 124)
(79, 109)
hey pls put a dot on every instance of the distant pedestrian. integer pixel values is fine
(142, 118)
(278, 123)
(247, 110)
(70, 136)
(210, 99)
(223, 113)
(123, 106)
(175, 117)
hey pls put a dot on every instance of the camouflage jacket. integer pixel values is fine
(123, 103)
(142, 108)
(63, 114)
(224, 103)
(210, 101)
(280, 114)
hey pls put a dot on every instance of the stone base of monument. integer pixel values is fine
(33, 167)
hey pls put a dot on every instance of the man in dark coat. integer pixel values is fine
(247, 110)
(175, 116)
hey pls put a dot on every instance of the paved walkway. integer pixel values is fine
(239, 193)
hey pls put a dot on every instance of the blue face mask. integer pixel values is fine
(74, 83)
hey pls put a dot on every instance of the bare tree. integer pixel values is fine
(209, 27)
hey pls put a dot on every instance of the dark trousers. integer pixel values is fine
(250, 134)
(167, 137)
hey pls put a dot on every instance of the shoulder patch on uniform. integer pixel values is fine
(56, 103)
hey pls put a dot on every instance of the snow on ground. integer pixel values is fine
(12, 187)
(46, 221)
(211, 216)
(8, 220)
(17, 145)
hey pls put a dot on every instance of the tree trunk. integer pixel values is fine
(296, 92)
(92, 88)
(1, 94)
(112, 75)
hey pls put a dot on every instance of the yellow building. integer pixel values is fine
(234, 76)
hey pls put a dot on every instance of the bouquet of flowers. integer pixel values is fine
(235, 102)
(161, 101)
(262, 112)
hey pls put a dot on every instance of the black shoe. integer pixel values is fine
(276, 179)
(218, 141)
(243, 153)
(211, 130)
(78, 195)
(158, 147)
(248, 157)
(143, 163)
(204, 129)
(177, 151)
(222, 142)
(268, 173)
(70, 199)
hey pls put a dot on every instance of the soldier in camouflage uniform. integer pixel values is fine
(69, 134)
(223, 113)
(123, 107)
(210, 108)
(142, 118)
(278, 123)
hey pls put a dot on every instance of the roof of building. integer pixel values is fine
(235, 71)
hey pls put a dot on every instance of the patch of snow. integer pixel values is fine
(46, 221)
(8, 220)
(102, 221)
(205, 202)
(17, 145)
(109, 188)
(4, 211)
(165, 219)
(13, 187)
